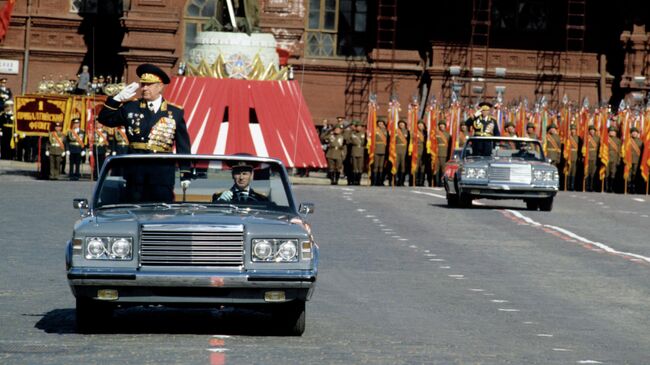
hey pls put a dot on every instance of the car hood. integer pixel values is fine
(193, 216)
(505, 160)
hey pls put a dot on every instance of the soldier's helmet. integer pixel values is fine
(552, 126)
(530, 125)
(510, 124)
(634, 129)
(442, 122)
(592, 127)
(573, 127)
(612, 129)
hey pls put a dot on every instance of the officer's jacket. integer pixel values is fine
(401, 140)
(573, 142)
(57, 143)
(336, 146)
(592, 147)
(381, 140)
(484, 126)
(636, 146)
(358, 142)
(101, 139)
(554, 147)
(76, 141)
(146, 130)
(614, 144)
(443, 144)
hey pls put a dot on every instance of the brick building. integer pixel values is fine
(342, 50)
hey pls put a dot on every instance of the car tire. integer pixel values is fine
(532, 204)
(92, 316)
(546, 205)
(464, 200)
(290, 318)
(452, 200)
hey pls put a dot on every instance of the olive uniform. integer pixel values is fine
(443, 139)
(76, 147)
(357, 140)
(120, 141)
(336, 151)
(572, 145)
(614, 144)
(401, 147)
(636, 147)
(381, 141)
(55, 149)
(422, 157)
(553, 147)
(593, 145)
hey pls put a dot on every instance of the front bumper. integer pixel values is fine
(165, 287)
(506, 191)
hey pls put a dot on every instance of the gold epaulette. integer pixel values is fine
(174, 105)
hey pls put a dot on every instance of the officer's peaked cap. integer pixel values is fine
(151, 74)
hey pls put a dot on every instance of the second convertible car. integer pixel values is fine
(501, 168)
(234, 237)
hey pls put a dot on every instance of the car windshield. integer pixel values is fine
(503, 148)
(134, 182)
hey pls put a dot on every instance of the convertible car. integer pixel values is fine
(174, 230)
(501, 168)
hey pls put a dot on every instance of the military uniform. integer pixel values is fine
(592, 147)
(347, 160)
(636, 148)
(76, 147)
(7, 125)
(401, 147)
(530, 131)
(150, 130)
(420, 146)
(484, 125)
(614, 158)
(56, 149)
(357, 141)
(335, 155)
(5, 93)
(100, 149)
(443, 138)
(553, 147)
(381, 141)
(572, 143)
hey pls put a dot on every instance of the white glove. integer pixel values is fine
(83, 153)
(23, 135)
(127, 93)
(477, 113)
(113, 153)
(107, 154)
(15, 134)
(47, 153)
(185, 184)
(65, 153)
(226, 196)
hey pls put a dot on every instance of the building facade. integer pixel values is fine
(344, 50)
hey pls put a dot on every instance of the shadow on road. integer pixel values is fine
(162, 320)
(480, 207)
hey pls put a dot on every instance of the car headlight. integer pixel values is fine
(109, 248)
(475, 173)
(275, 250)
(544, 175)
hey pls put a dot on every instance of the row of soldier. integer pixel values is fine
(75, 145)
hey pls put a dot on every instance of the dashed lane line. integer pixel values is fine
(429, 194)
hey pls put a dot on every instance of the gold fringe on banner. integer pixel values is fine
(218, 70)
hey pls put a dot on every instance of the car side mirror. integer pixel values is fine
(80, 203)
(306, 208)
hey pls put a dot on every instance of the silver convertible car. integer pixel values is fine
(501, 168)
(188, 230)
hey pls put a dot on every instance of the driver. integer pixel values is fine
(241, 191)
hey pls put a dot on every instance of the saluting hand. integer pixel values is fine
(127, 93)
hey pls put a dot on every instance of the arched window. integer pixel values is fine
(197, 14)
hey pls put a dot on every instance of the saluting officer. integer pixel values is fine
(553, 145)
(336, 150)
(483, 123)
(636, 150)
(76, 148)
(357, 140)
(614, 144)
(381, 141)
(152, 125)
(55, 150)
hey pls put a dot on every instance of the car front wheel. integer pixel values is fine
(92, 316)
(546, 205)
(290, 317)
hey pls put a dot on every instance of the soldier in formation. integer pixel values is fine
(636, 147)
(76, 148)
(553, 145)
(336, 151)
(381, 144)
(443, 138)
(401, 147)
(422, 156)
(591, 149)
(56, 150)
(357, 142)
(7, 124)
(614, 158)
(573, 142)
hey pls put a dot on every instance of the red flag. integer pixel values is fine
(393, 119)
(5, 17)
(415, 135)
(645, 158)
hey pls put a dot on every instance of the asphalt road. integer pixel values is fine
(403, 280)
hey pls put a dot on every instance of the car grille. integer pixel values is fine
(182, 245)
(520, 174)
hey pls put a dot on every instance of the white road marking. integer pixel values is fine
(508, 310)
(445, 267)
(396, 237)
(437, 260)
(566, 232)
(370, 216)
(361, 210)
(347, 189)
(413, 246)
(430, 254)
(219, 349)
(455, 276)
(429, 194)
(427, 251)
(589, 362)
(403, 239)
(600, 203)
(488, 294)
(220, 336)
(499, 301)
(529, 322)
(382, 225)
(644, 215)
(544, 335)
(639, 200)
(561, 349)
(476, 290)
